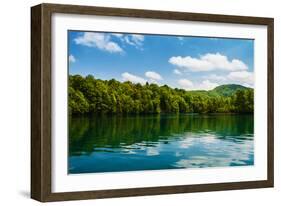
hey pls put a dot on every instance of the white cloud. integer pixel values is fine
(176, 71)
(99, 40)
(128, 41)
(117, 35)
(216, 77)
(204, 85)
(208, 62)
(153, 76)
(71, 58)
(105, 41)
(185, 84)
(242, 77)
(135, 40)
(238, 77)
(133, 78)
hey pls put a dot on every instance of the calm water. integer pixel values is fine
(107, 144)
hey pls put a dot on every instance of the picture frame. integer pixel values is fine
(41, 101)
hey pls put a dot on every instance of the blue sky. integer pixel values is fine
(184, 62)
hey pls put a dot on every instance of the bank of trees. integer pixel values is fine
(89, 95)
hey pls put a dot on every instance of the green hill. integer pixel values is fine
(227, 90)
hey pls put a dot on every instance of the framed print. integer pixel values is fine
(128, 102)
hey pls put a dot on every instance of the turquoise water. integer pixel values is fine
(153, 142)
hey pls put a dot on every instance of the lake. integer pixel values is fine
(153, 142)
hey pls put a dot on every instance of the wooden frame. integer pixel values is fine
(41, 102)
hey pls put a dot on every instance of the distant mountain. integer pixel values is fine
(227, 90)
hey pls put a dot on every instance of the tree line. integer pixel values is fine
(87, 95)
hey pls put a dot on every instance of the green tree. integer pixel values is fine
(90, 95)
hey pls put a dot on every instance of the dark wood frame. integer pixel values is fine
(41, 101)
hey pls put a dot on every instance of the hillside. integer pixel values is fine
(228, 89)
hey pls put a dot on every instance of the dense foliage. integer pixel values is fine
(228, 90)
(90, 95)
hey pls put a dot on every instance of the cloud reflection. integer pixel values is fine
(214, 152)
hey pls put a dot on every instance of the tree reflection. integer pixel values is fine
(88, 133)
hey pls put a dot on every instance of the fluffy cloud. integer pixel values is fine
(176, 71)
(216, 77)
(185, 84)
(133, 78)
(134, 40)
(137, 38)
(204, 85)
(117, 35)
(71, 58)
(242, 77)
(208, 62)
(105, 41)
(153, 76)
(238, 77)
(99, 40)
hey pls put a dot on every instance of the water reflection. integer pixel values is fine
(114, 143)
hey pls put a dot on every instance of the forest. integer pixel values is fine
(88, 95)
